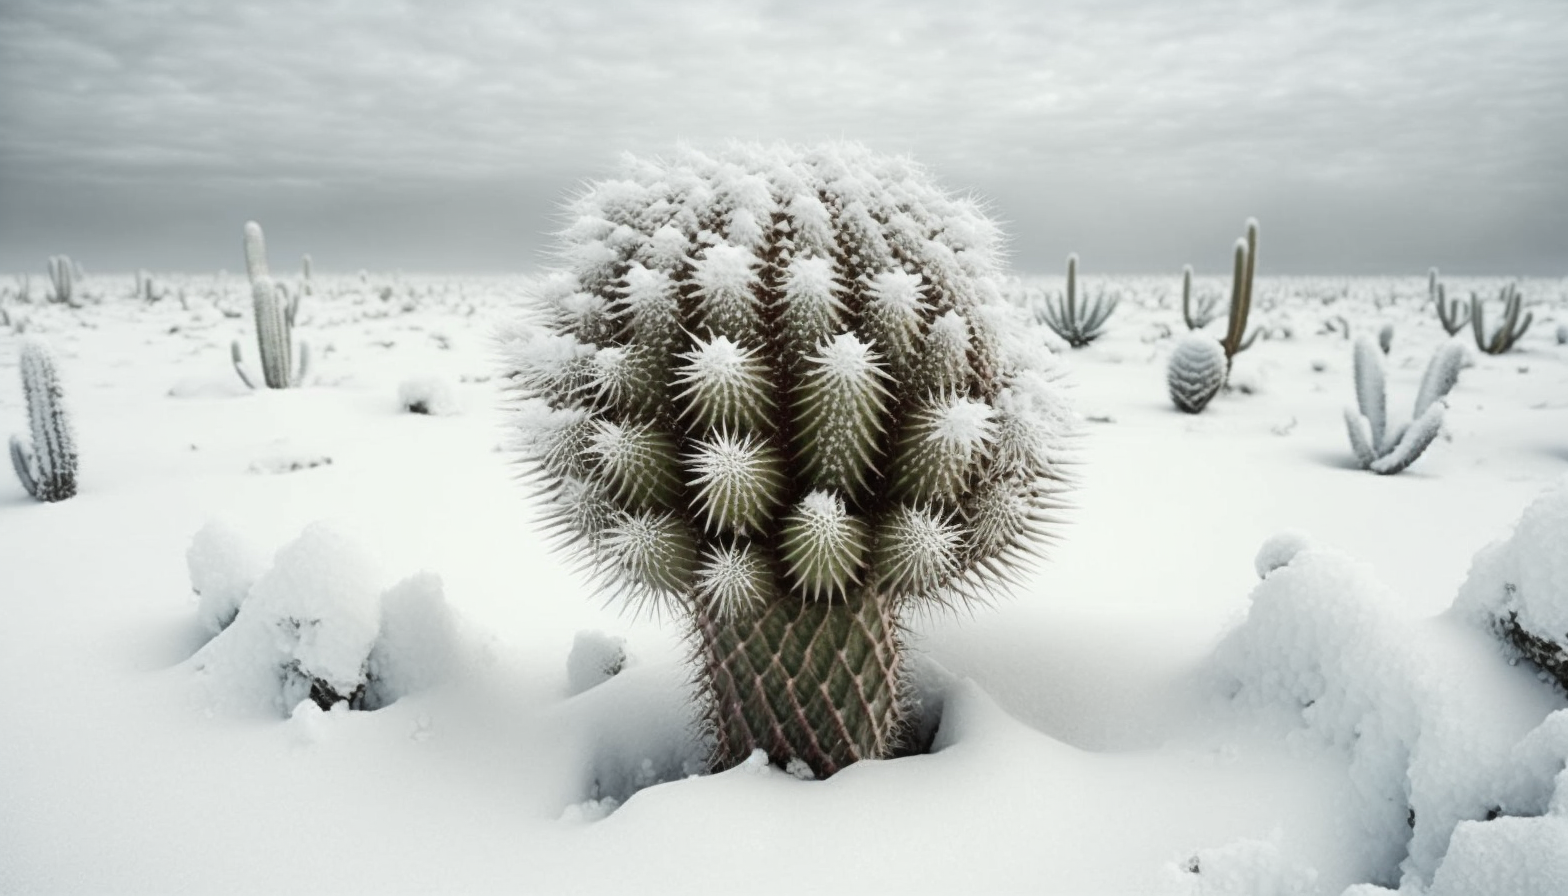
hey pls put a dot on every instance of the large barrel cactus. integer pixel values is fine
(775, 393)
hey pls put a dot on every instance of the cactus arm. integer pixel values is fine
(237, 356)
(1186, 297)
(22, 462)
(1477, 323)
(1359, 430)
(302, 369)
(1072, 287)
(1442, 372)
(1420, 434)
(1247, 343)
(1238, 315)
(1370, 398)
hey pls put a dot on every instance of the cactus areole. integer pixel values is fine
(774, 393)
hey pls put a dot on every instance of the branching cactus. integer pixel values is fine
(1509, 329)
(274, 321)
(1380, 447)
(1452, 314)
(1201, 316)
(1078, 323)
(47, 467)
(1196, 372)
(776, 393)
(1236, 339)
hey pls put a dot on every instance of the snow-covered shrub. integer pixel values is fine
(427, 395)
(315, 625)
(1518, 587)
(777, 393)
(1435, 757)
(1078, 324)
(1388, 449)
(223, 567)
(595, 658)
(47, 466)
(275, 313)
(1196, 372)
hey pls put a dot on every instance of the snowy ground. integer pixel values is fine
(1101, 734)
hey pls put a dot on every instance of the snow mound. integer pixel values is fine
(1523, 580)
(223, 567)
(1246, 868)
(595, 658)
(316, 626)
(1506, 857)
(428, 395)
(1436, 725)
(1278, 550)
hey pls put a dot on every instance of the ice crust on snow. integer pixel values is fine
(1526, 573)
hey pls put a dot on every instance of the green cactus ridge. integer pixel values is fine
(775, 392)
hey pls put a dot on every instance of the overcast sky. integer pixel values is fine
(1367, 137)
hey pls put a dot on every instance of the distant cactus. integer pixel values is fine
(146, 290)
(1207, 303)
(47, 467)
(1562, 334)
(1078, 324)
(776, 394)
(274, 322)
(1508, 330)
(1453, 315)
(1385, 338)
(1384, 449)
(1236, 339)
(1196, 372)
(62, 277)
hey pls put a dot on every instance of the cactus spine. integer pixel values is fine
(1508, 330)
(774, 395)
(47, 467)
(1078, 324)
(274, 321)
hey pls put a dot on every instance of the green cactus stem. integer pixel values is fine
(1203, 315)
(776, 393)
(1452, 314)
(1508, 330)
(62, 277)
(1236, 339)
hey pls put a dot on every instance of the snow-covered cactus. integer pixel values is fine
(1196, 372)
(274, 321)
(1508, 330)
(776, 392)
(1203, 315)
(1452, 314)
(1378, 446)
(1236, 339)
(1079, 324)
(47, 467)
(62, 277)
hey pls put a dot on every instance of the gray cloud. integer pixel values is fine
(1368, 136)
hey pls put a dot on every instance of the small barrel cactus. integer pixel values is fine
(776, 393)
(1196, 372)
(275, 312)
(47, 468)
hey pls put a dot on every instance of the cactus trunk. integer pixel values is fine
(803, 680)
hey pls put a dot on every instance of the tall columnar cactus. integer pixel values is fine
(47, 467)
(1079, 324)
(1509, 329)
(62, 277)
(1203, 315)
(1196, 372)
(1388, 449)
(1452, 314)
(274, 321)
(1236, 339)
(776, 393)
